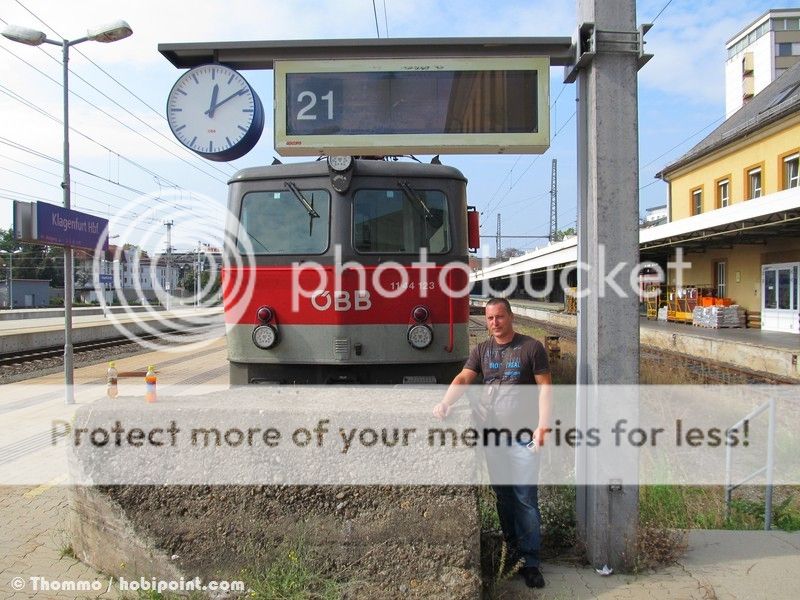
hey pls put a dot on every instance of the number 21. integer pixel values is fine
(303, 114)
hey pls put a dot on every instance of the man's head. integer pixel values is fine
(500, 320)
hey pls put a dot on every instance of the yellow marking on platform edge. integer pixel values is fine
(37, 491)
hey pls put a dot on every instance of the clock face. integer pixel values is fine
(214, 112)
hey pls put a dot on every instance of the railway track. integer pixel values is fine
(17, 366)
(58, 351)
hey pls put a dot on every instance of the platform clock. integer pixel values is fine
(213, 111)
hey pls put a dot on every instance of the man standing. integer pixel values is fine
(510, 364)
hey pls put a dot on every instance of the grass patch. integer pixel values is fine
(703, 507)
(67, 551)
(291, 575)
(153, 595)
(487, 509)
(557, 509)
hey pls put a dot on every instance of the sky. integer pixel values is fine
(128, 167)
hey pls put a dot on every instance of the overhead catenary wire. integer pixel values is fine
(509, 173)
(74, 180)
(23, 148)
(58, 186)
(107, 74)
(528, 168)
(110, 116)
(654, 19)
(123, 108)
(375, 12)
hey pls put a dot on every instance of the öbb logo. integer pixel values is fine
(341, 301)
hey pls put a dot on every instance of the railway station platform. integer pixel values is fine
(28, 330)
(716, 564)
(776, 354)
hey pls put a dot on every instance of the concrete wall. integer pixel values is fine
(389, 541)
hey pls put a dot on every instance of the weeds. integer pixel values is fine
(498, 567)
(784, 515)
(291, 575)
(154, 595)
(487, 510)
(557, 509)
(703, 507)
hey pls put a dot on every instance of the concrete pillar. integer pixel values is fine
(608, 235)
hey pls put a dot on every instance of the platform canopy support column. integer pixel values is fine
(608, 58)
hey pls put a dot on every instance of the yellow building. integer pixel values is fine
(734, 205)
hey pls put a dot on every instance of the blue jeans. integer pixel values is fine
(514, 471)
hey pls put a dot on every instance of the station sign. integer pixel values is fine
(403, 106)
(43, 223)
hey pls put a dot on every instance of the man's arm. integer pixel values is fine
(454, 392)
(545, 383)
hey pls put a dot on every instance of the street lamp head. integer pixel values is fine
(110, 32)
(23, 35)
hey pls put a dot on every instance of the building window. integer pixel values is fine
(721, 278)
(754, 183)
(787, 49)
(791, 171)
(697, 202)
(786, 24)
(723, 195)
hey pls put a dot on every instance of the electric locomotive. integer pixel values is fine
(347, 271)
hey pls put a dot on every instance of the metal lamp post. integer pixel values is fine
(31, 37)
(10, 285)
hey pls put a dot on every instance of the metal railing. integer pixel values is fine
(768, 468)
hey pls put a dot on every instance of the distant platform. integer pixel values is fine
(34, 329)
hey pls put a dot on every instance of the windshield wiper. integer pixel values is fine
(312, 214)
(258, 241)
(414, 197)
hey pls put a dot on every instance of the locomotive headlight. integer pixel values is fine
(265, 336)
(340, 164)
(420, 336)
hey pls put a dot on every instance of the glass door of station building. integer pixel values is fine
(780, 297)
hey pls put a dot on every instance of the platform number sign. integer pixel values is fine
(400, 106)
(314, 105)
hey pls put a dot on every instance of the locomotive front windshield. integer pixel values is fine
(401, 221)
(285, 222)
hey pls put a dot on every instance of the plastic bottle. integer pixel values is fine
(112, 391)
(150, 384)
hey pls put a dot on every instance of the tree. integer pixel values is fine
(33, 261)
(565, 233)
(136, 249)
(511, 253)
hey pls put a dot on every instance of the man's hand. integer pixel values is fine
(441, 410)
(539, 435)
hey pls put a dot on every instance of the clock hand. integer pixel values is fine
(213, 105)
(211, 110)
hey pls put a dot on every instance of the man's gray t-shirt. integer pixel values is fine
(505, 367)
